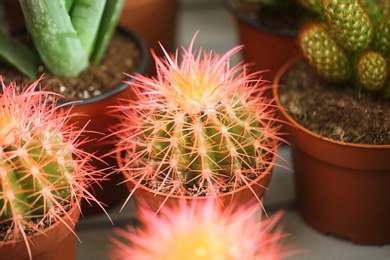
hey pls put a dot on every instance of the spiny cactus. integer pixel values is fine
(199, 127)
(42, 172)
(202, 231)
(351, 44)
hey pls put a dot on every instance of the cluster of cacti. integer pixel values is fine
(199, 127)
(42, 172)
(202, 230)
(68, 35)
(350, 43)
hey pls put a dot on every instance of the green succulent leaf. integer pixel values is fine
(86, 16)
(108, 23)
(54, 37)
(19, 55)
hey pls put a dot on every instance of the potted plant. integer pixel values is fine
(268, 29)
(43, 175)
(199, 128)
(337, 108)
(85, 65)
(202, 230)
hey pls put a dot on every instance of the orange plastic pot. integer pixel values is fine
(342, 188)
(266, 47)
(154, 200)
(93, 112)
(56, 242)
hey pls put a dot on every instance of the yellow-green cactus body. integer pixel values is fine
(34, 168)
(350, 25)
(371, 70)
(382, 36)
(323, 53)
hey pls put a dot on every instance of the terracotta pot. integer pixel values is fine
(56, 242)
(268, 48)
(342, 188)
(154, 21)
(154, 200)
(94, 112)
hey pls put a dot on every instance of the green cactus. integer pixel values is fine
(371, 68)
(42, 170)
(324, 54)
(351, 43)
(198, 128)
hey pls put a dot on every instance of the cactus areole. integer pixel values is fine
(42, 172)
(199, 128)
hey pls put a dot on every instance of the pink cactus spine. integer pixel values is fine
(199, 127)
(42, 170)
(202, 230)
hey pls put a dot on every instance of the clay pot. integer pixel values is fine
(154, 200)
(342, 188)
(93, 112)
(57, 242)
(154, 21)
(265, 46)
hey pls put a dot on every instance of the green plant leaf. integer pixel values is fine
(86, 16)
(109, 21)
(54, 37)
(19, 56)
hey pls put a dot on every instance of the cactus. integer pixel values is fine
(42, 170)
(202, 231)
(351, 44)
(199, 127)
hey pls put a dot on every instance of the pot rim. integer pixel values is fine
(65, 225)
(265, 174)
(275, 87)
(258, 25)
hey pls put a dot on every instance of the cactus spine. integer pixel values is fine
(351, 43)
(199, 127)
(202, 230)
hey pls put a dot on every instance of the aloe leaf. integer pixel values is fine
(85, 16)
(68, 5)
(54, 36)
(19, 56)
(109, 21)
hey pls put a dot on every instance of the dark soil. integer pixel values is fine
(123, 55)
(337, 112)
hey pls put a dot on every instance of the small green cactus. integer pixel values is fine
(351, 42)
(199, 128)
(42, 172)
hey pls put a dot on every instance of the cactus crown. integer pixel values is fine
(42, 172)
(350, 43)
(202, 231)
(199, 127)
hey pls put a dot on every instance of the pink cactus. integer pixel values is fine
(199, 128)
(42, 170)
(201, 230)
